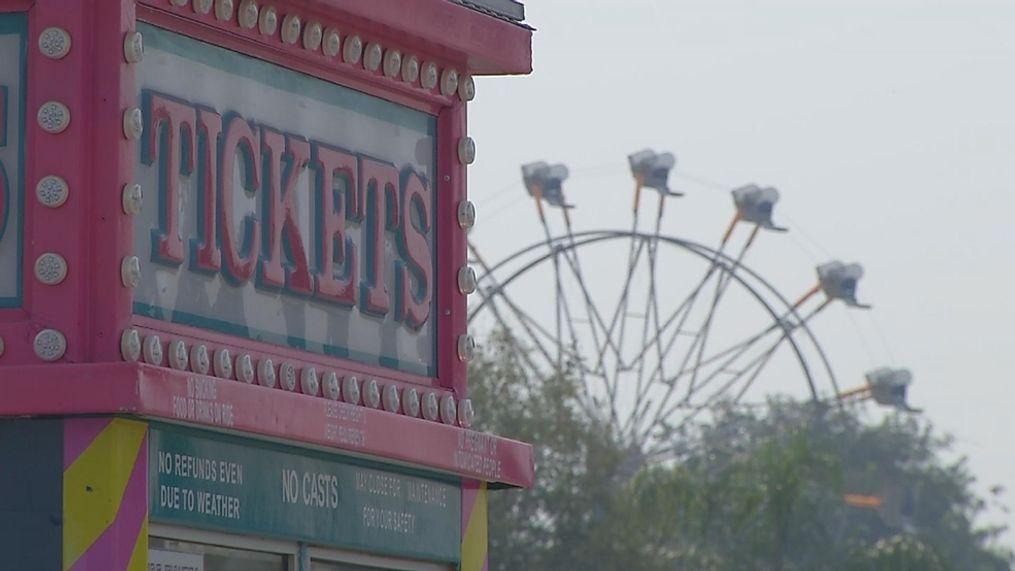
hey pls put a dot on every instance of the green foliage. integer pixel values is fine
(757, 490)
(899, 553)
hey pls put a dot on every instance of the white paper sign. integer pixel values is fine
(172, 561)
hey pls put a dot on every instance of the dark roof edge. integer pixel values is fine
(508, 10)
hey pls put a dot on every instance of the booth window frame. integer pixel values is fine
(291, 551)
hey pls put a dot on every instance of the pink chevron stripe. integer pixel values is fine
(114, 547)
(78, 434)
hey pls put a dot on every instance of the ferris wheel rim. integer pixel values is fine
(730, 266)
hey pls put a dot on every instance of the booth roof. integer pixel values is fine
(507, 10)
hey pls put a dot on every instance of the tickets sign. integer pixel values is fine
(283, 208)
(12, 112)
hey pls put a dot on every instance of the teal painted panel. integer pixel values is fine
(13, 54)
(215, 481)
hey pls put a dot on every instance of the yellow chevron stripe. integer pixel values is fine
(93, 485)
(139, 557)
(474, 542)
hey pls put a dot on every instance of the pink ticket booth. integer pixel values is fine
(233, 284)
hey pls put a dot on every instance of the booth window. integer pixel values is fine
(332, 560)
(184, 555)
(326, 566)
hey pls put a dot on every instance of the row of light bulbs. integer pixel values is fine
(243, 367)
(314, 37)
(52, 191)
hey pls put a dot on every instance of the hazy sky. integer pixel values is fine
(888, 126)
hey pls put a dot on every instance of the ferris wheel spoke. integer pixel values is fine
(528, 324)
(683, 310)
(559, 294)
(651, 313)
(591, 312)
(520, 350)
(784, 337)
(731, 367)
(633, 258)
(562, 309)
(681, 315)
(755, 364)
(735, 350)
(701, 335)
(754, 367)
(532, 327)
(565, 311)
(784, 323)
(662, 413)
(721, 286)
(757, 371)
(622, 310)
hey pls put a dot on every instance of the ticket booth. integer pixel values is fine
(233, 284)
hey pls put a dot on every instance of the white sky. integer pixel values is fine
(888, 126)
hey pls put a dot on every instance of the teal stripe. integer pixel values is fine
(288, 80)
(229, 328)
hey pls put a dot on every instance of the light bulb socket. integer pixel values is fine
(267, 23)
(287, 376)
(52, 191)
(332, 387)
(350, 390)
(309, 383)
(130, 271)
(54, 43)
(372, 393)
(449, 410)
(466, 214)
(312, 36)
(153, 350)
(466, 414)
(133, 124)
(391, 398)
(223, 363)
(49, 345)
(245, 368)
(130, 345)
(466, 150)
(178, 356)
(248, 14)
(449, 82)
(410, 402)
(266, 376)
(200, 361)
(466, 348)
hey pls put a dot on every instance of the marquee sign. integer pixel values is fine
(288, 209)
(264, 197)
(12, 111)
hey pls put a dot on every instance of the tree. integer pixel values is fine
(755, 489)
(899, 553)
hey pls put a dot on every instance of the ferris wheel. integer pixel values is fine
(661, 329)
